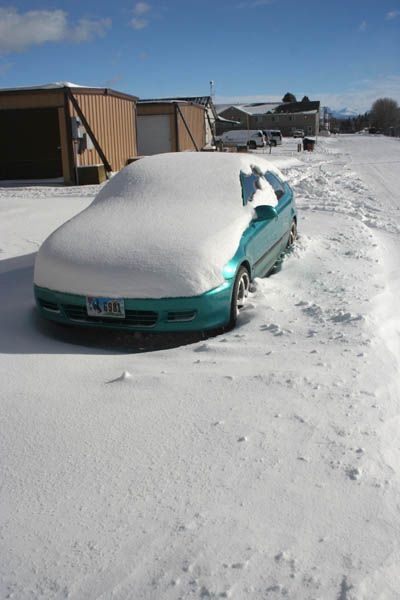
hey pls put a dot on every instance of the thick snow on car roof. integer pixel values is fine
(165, 226)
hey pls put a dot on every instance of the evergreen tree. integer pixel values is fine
(288, 97)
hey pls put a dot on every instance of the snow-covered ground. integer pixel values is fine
(262, 463)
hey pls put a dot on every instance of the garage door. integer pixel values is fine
(154, 134)
(30, 144)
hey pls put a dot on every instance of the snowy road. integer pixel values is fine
(264, 463)
(377, 160)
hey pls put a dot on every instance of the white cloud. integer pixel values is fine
(392, 14)
(359, 97)
(363, 26)
(137, 23)
(141, 8)
(88, 29)
(19, 31)
(363, 94)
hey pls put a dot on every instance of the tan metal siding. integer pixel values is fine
(33, 100)
(113, 122)
(194, 116)
(157, 108)
(195, 119)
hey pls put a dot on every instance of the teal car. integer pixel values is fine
(171, 243)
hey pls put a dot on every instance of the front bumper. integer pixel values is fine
(196, 313)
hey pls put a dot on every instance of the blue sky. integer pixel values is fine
(345, 53)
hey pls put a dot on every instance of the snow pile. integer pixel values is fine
(260, 464)
(163, 227)
(47, 86)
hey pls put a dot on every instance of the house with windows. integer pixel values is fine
(286, 116)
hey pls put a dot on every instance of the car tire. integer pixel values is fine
(292, 234)
(252, 145)
(239, 294)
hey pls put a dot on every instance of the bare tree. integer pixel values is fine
(385, 113)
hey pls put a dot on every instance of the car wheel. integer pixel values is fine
(252, 145)
(292, 235)
(239, 294)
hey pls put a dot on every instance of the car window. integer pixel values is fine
(276, 184)
(249, 186)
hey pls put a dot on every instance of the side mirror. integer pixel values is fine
(265, 212)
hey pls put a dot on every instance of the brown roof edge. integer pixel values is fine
(103, 92)
(180, 102)
(74, 90)
(17, 92)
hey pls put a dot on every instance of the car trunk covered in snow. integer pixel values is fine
(163, 227)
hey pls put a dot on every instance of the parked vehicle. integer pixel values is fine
(274, 136)
(171, 243)
(252, 138)
(298, 133)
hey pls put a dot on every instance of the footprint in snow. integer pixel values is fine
(279, 589)
(354, 473)
(345, 317)
(312, 333)
(273, 328)
(239, 565)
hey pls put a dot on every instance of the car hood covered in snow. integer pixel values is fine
(165, 226)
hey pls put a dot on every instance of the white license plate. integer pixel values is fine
(105, 307)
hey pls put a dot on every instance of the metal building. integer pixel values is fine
(211, 117)
(170, 126)
(54, 131)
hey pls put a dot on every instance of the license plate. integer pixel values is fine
(105, 307)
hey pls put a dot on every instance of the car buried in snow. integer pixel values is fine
(171, 243)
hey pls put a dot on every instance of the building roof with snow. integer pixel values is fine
(262, 108)
(205, 101)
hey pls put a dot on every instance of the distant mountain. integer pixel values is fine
(343, 113)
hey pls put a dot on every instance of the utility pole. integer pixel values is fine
(212, 90)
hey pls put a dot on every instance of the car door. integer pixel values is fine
(284, 206)
(261, 236)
